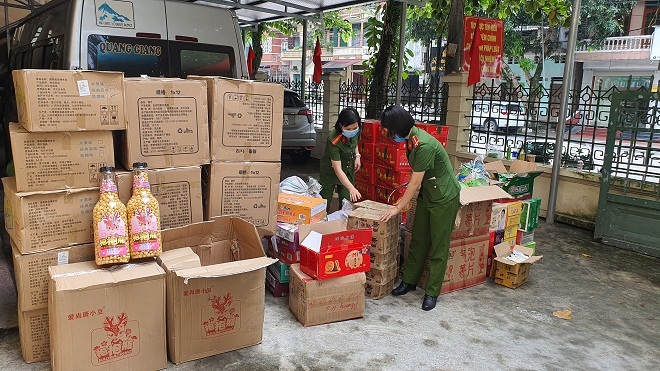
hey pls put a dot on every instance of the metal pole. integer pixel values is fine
(402, 50)
(303, 72)
(565, 90)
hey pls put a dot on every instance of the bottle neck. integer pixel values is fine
(140, 179)
(108, 184)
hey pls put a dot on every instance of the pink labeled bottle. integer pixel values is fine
(143, 216)
(110, 222)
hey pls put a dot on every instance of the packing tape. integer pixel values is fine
(110, 269)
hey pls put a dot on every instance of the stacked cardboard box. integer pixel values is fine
(529, 221)
(366, 177)
(504, 222)
(64, 138)
(385, 244)
(245, 119)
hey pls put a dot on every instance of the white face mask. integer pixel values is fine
(350, 133)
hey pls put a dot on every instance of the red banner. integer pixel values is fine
(491, 34)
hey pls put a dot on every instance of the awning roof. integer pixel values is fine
(340, 64)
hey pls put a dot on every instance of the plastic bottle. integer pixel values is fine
(143, 216)
(110, 222)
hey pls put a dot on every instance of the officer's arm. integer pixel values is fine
(412, 189)
(336, 166)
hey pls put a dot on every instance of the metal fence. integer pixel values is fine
(313, 95)
(425, 102)
(523, 120)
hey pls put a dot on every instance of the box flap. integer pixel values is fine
(495, 166)
(504, 249)
(519, 167)
(322, 228)
(484, 193)
(176, 259)
(368, 204)
(294, 269)
(225, 269)
(80, 276)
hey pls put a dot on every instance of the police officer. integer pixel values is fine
(437, 204)
(341, 158)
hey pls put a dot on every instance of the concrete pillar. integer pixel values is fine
(458, 107)
(331, 86)
(637, 19)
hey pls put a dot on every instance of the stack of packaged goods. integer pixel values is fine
(167, 128)
(391, 169)
(328, 285)
(365, 178)
(529, 221)
(385, 244)
(63, 139)
(245, 119)
(504, 221)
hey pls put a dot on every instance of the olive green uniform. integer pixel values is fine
(437, 206)
(337, 148)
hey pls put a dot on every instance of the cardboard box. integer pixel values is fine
(498, 219)
(510, 273)
(329, 250)
(63, 100)
(384, 138)
(392, 157)
(31, 272)
(219, 306)
(513, 208)
(511, 232)
(167, 123)
(33, 334)
(281, 271)
(441, 133)
(466, 265)
(510, 241)
(178, 191)
(366, 189)
(41, 221)
(53, 161)
(369, 217)
(384, 260)
(518, 180)
(390, 178)
(316, 302)
(367, 174)
(410, 214)
(282, 243)
(277, 288)
(296, 209)
(287, 255)
(523, 238)
(376, 292)
(111, 319)
(245, 189)
(529, 217)
(473, 217)
(246, 119)
(288, 232)
(369, 131)
(368, 152)
(531, 245)
(388, 195)
(383, 275)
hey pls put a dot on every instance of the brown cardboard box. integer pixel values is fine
(108, 319)
(380, 276)
(178, 191)
(33, 333)
(509, 273)
(167, 123)
(64, 160)
(410, 214)
(245, 189)
(41, 221)
(31, 272)
(62, 100)
(376, 291)
(219, 306)
(246, 119)
(316, 302)
(473, 217)
(386, 236)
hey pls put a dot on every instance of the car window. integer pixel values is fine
(291, 100)
(202, 59)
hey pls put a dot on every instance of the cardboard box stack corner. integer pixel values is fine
(245, 126)
(64, 136)
(513, 221)
(468, 250)
(385, 246)
(510, 272)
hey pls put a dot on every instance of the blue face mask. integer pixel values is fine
(350, 133)
(398, 139)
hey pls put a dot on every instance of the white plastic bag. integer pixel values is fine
(295, 185)
(342, 214)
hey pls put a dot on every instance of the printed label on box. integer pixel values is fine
(62, 257)
(83, 88)
(221, 317)
(174, 211)
(159, 115)
(119, 338)
(248, 198)
(248, 118)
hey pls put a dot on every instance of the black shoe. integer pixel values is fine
(429, 302)
(403, 289)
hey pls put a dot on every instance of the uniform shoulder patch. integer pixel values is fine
(336, 140)
(415, 141)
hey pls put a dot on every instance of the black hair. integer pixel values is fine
(347, 116)
(397, 121)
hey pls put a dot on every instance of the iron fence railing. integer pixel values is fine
(425, 102)
(507, 120)
(313, 95)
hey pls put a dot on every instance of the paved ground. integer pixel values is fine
(614, 296)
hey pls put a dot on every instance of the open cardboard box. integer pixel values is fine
(216, 274)
(473, 217)
(521, 185)
(329, 250)
(509, 273)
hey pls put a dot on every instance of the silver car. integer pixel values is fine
(494, 116)
(298, 134)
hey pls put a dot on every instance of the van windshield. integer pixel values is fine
(134, 56)
(202, 59)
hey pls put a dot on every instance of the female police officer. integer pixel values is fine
(341, 158)
(437, 204)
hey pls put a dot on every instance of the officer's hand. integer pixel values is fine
(389, 214)
(355, 195)
(358, 164)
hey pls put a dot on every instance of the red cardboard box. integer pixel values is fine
(394, 158)
(441, 133)
(369, 130)
(383, 194)
(288, 256)
(367, 150)
(382, 137)
(391, 178)
(367, 190)
(328, 250)
(367, 173)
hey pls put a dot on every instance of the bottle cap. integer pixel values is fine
(140, 165)
(107, 169)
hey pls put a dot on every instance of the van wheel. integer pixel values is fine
(491, 125)
(300, 156)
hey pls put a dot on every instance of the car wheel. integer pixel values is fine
(300, 156)
(491, 125)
